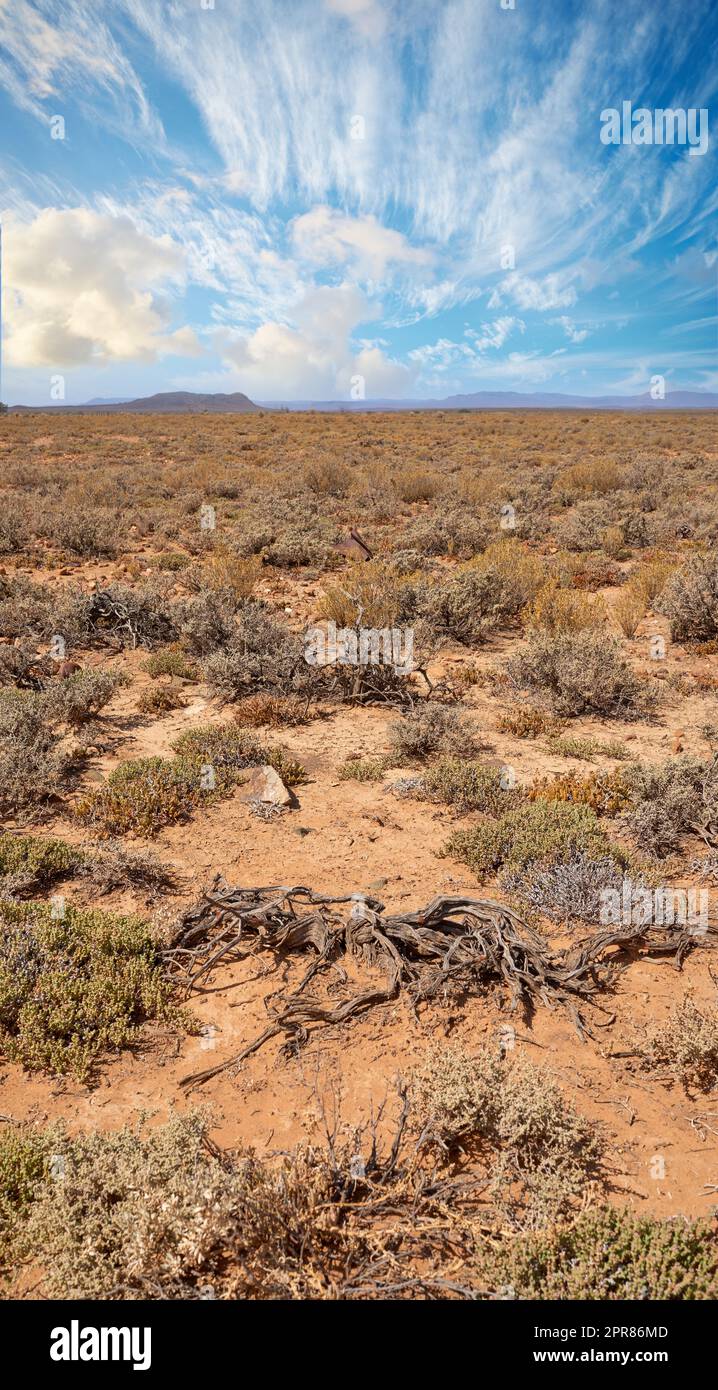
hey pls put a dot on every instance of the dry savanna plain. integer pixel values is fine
(337, 980)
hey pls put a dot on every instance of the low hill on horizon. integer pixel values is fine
(163, 402)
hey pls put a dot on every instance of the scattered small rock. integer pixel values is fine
(266, 785)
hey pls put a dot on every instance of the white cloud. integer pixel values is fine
(494, 335)
(314, 356)
(46, 53)
(325, 236)
(83, 287)
(471, 353)
(550, 293)
(574, 334)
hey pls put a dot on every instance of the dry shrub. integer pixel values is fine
(613, 542)
(687, 1046)
(455, 533)
(597, 477)
(227, 573)
(85, 532)
(690, 600)
(416, 485)
(542, 1153)
(112, 866)
(489, 592)
(206, 623)
(260, 654)
(431, 728)
(580, 673)
(670, 801)
(14, 526)
(328, 478)
(564, 610)
(607, 793)
(569, 891)
(371, 594)
(33, 764)
(145, 794)
(139, 617)
(525, 721)
(160, 1213)
(652, 576)
(81, 696)
(272, 711)
(161, 700)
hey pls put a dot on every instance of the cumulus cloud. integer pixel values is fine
(89, 288)
(314, 356)
(326, 236)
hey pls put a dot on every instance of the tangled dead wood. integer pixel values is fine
(455, 944)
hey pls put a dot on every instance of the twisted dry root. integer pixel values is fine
(454, 944)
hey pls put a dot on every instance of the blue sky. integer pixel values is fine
(319, 198)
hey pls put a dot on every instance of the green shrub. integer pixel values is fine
(469, 786)
(586, 749)
(363, 770)
(541, 832)
(609, 1255)
(74, 986)
(24, 1154)
(29, 863)
(145, 794)
(170, 661)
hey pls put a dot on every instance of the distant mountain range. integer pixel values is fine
(517, 400)
(192, 402)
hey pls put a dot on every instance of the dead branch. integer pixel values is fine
(454, 945)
